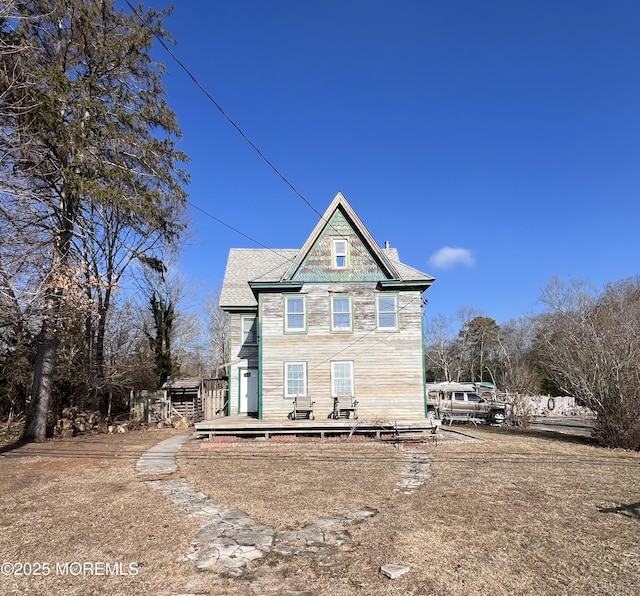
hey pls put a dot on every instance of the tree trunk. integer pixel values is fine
(36, 428)
(45, 365)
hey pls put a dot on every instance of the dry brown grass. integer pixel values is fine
(520, 513)
(286, 484)
(80, 500)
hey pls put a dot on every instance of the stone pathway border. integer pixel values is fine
(230, 540)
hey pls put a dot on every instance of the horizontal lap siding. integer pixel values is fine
(387, 365)
(246, 357)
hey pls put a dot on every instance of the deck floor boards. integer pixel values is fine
(245, 426)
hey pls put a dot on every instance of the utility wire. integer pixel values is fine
(224, 114)
(235, 126)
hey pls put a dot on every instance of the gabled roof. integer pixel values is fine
(340, 203)
(279, 267)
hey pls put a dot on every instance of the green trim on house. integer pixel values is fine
(424, 366)
(275, 286)
(242, 309)
(393, 284)
(259, 331)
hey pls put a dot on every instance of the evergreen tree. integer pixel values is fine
(84, 124)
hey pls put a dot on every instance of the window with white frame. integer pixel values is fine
(295, 379)
(249, 330)
(340, 256)
(341, 313)
(294, 318)
(387, 306)
(341, 378)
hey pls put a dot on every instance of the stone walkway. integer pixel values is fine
(230, 540)
(414, 474)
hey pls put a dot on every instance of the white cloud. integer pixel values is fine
(448, 257)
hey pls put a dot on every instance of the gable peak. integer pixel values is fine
(340, 203)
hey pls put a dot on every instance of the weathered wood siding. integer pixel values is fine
(387, 365)
(241, 356)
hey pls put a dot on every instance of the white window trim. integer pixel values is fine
(286, 379)
(242, 331)
(334, 393)
(342, 329)
(302, 329)
(385, 328)
(336, 254)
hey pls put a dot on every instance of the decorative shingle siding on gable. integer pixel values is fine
(318, 266)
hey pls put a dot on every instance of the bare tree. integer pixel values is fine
(439, 349)
(516, 370)
(217, 332)
(590, 345)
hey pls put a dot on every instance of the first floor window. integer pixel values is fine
(295, 379)
(341, 378)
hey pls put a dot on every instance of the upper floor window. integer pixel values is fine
(294, 313)
(387, 306)
(249, 330)
(341, 313)
(340, 254)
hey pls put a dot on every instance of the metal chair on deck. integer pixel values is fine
(302, 408)
(344, 406)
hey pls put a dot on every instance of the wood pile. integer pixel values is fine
(76, 422)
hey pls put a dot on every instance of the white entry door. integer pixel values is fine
(248, 390)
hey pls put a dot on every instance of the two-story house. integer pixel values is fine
(340, 316)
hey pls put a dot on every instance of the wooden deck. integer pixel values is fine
(244, 426)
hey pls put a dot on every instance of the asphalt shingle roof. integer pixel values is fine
(260, 264)
(252, 264)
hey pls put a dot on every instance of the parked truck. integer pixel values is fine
(462, 401)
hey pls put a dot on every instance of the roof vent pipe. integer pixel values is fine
(386, 244)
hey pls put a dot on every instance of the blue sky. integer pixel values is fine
(494, 144)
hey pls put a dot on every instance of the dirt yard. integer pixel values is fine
(523, 512)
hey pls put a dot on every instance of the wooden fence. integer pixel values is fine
(215, 398)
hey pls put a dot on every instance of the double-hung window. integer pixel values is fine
(387, 307)
(295, 379)
(340, 254)
(249, 330)
(341, 378)
(341, 313)
(294, 316)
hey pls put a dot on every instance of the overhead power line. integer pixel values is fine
(224, 114)
(237, 128)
